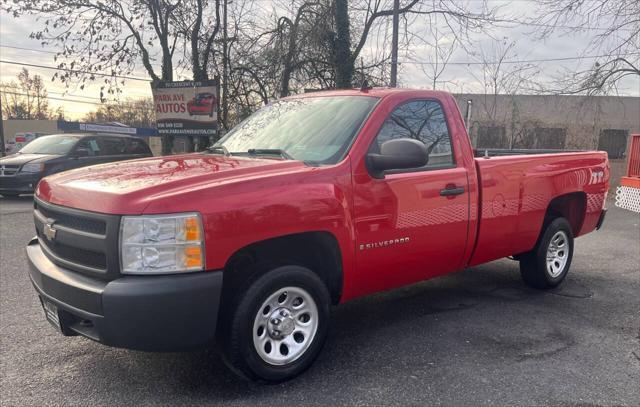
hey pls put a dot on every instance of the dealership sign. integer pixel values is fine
(186, 108)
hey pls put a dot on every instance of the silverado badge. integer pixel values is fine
(49, 231)
(383, 243)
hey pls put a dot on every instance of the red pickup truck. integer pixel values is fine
(313, 200)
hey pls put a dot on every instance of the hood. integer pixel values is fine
(21, 159)
(128, 187)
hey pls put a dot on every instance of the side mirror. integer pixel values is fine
(398, 154)
(81, 152)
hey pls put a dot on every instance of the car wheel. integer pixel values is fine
(548, 263)
(278, 325)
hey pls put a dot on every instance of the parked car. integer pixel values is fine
(202, 104)
(312, 201)
(46, 155)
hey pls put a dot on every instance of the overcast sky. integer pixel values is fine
(458, 76)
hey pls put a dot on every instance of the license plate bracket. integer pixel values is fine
(51, 313)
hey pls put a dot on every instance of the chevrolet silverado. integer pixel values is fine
(312, 201)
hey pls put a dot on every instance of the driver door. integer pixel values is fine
(408, 227)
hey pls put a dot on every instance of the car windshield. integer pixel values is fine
(317, 130)
(57, 144)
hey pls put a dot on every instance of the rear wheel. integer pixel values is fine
(548, 263)
(278, 325)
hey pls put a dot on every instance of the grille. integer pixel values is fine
(8, 169)
(84, 224)
(76, 255)
(78, 240)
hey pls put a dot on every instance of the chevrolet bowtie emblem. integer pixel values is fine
(49, 231)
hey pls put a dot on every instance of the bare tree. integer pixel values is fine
(366, 15)
(275, 57)
(132, 112)
(497, 75)
(111, 36)
(500, 76)
(294, 32)
(116, 36)
(618, 40)
(198, 24)
(25, 99)
(442, 45)
(270, 51)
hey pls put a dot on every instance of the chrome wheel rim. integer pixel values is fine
(285, 325)
(557, 253)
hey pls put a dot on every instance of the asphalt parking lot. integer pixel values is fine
(477, 337)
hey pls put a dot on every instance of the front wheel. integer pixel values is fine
(548, 263)
(278, 326)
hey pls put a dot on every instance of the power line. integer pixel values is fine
(75, 96)
(28, 49)
(566, 27)
(5, 86)
(105, 104)
(35, 50)
(523, 61)
(405, 62)
(103, 101)
(133, 78)
(53, 98)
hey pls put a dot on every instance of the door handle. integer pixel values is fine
(452, 191)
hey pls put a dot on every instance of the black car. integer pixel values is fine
(20, 172)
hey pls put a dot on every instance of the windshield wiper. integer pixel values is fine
(270, 151)
(221, 149)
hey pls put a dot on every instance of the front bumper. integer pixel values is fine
(19, 183)
(151, 313)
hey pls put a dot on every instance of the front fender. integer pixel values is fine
(250, 211)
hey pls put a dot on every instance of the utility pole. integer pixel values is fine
(1, 131)
(225, 66)
(394, 44)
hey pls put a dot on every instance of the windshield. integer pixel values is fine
(58, 144)
(315, 129)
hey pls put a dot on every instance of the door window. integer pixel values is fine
(90, 145)
(137, 146)
(614, 142)
(421, 120)
(113, 146)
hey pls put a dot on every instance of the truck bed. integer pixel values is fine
(517, 190)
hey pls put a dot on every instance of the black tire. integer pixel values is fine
(533, 265)
(237, 329)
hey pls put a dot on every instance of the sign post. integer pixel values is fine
(2, 146)
(186, 109)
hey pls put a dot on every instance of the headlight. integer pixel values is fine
(32, 168)
(161, 244)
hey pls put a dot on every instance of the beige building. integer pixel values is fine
(13, 127)
(551, 122)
